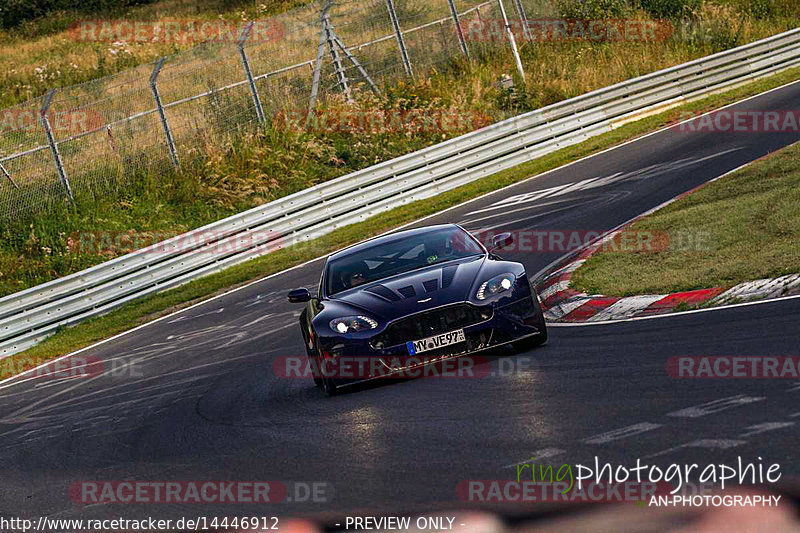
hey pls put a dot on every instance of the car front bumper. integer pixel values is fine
(354, 361)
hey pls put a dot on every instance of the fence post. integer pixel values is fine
(248, 72)
(8, 176)
(399, 35)
(356, 63)
(512, 40)
(62, 174)
(318, 60)
(161, 113)
(459, 31)
(526, 31)
(341, 75)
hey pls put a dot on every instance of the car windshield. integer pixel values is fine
(400, 255)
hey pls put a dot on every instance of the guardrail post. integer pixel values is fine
(161, 113)
(399, 36)
(459, 31)
(62, 174)
(511, 40)
(246, 64)
(526, 31)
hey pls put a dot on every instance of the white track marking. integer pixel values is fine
(32, 410)
(759, 289)
(438, 213)
(255, 302)
(764, 427)
(526, 218)
(572, 267)
(544, 453)
(622, 433)
(518, 210)
(554, 288)
(564, 308)
(215, 312)
(669, 315)
(257, 320)
(594, 183)
(625, 307)
(715, 406)
(532, 196)
(714, 444)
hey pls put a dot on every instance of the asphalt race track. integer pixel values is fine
(194, 396)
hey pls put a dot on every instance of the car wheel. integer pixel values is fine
(329, 386)
(528, 343)
(326, 383)
(313, 360)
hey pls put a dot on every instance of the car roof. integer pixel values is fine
(391, 237)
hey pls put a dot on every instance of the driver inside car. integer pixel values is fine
(354, 274)
(438, 249)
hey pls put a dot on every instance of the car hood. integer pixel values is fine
(417, 290)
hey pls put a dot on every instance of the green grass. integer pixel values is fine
(149, 308)
(749, 228)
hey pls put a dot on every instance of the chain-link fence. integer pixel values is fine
(93, 139)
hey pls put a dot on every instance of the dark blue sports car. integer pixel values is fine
(411, 298)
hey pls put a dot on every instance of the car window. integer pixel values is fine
(401, 255)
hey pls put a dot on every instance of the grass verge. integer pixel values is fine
(152, 307)
(744, 227)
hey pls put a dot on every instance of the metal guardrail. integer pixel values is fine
(30, 315)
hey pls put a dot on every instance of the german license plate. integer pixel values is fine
(436, 342)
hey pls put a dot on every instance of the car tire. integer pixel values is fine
(329, 386)
(313, 360)
(326, 383)
(310, 351)
(528, 343)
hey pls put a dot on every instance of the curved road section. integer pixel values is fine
(200, 395)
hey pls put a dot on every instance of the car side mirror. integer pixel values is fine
(298, 296)
(501, 240)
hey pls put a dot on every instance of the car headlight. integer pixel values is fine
(352, 324)
(496, 285)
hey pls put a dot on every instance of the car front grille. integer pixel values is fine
(429, 323)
